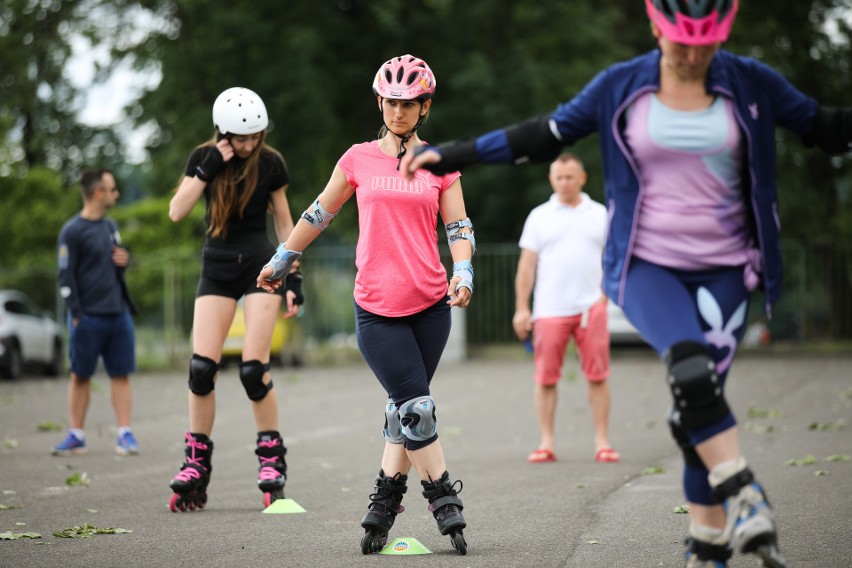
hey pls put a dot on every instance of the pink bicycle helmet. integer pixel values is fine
(405, 77)
(693, 22)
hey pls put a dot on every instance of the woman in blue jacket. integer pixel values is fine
(687, 136)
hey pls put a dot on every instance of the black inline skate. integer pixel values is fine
(447, 507)
(382, 511)
(190, 485)
(272, 473)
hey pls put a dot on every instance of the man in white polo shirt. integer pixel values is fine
(562, 247)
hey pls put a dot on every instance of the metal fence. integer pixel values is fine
(816, 304)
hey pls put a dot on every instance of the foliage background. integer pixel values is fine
(312, 61)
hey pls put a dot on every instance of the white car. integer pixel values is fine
(620, 329)
(28, 337)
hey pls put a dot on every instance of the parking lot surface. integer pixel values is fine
(795, 413)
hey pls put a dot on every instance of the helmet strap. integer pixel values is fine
(402, 149)
(405, 137)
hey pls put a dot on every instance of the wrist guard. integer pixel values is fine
(463, 269)
(210, 165)
(293, 283)
(281, 262)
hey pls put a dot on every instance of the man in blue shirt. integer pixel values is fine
(91, 281)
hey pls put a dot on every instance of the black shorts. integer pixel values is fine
(233, 273)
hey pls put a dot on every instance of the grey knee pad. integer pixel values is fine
(393, 428)
(417, 418)
(695, 385)
(202, 371)
(251, 375)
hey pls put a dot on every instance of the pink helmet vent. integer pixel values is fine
(693, 22)
(405, 77)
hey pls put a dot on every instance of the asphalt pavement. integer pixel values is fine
(795, 413)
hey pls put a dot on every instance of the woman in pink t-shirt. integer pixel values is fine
(402, 300)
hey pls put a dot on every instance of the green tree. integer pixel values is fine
(38, 101)
(496, 61)
(34, 208)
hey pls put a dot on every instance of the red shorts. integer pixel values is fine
(551, 337)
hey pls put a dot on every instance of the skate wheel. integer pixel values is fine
(771, 556)
(459, 542)
(366, 544)
(173, 503)
(191, 505)
(371, 542)
(271, 497)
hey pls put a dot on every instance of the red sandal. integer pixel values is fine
(541, 456)
(607, 455)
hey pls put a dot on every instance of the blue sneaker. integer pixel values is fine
(125, 445)
(70, 446)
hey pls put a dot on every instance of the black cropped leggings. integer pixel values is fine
(404, 352)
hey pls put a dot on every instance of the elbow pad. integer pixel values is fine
(534, 140)
(831, 130)
(317, 216)
(455, 235)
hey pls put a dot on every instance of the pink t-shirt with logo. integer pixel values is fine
(399, 268)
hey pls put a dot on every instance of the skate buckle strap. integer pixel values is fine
(190, 471)
(732, 485)
(707, 551)
(387, 503)
(386, 500)
(271, 448)
(269, 443)
(268, 472)
(442, 487)
(389, 492)
(395, 484)
(444, 501)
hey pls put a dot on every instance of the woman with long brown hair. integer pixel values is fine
(242, 179)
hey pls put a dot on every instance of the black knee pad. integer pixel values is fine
(251, 375)
(698, 398)
(202, 370)
(690, 456)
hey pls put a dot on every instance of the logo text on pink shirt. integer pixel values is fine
(397, 183)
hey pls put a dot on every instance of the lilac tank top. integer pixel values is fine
(692, 213)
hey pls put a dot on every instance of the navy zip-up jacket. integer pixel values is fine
(762, 100)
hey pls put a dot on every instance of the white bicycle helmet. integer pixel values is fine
(239, 111)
